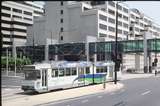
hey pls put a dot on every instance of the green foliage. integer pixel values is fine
(20, 62)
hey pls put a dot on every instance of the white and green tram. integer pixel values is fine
(43, 77)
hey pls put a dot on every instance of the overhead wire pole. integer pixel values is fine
(51, 37)
(115, 69)
(155, 56)
(7, 61)
(33, 49)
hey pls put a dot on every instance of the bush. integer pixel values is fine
(20, 62)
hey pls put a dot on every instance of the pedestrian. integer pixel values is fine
(155, 72)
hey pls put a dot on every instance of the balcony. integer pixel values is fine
(5, 18)
(5, 25)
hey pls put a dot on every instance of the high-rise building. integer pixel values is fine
(72, 21)
(15, 17)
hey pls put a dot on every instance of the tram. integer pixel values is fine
(43, 77)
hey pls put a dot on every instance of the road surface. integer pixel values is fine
(137, 92)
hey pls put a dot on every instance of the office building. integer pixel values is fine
(15, 17)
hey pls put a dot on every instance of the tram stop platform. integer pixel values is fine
(61, 95)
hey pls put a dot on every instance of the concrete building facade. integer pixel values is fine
(15, 17)
(72, 21)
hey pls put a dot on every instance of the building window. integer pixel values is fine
(125, 32)
(6, 8)
(97, 2)
(102, 17)
(125, 10)
(61, 20)
(125, 25)
(27, 13)
(111, 29)
(103, 9)
(111, 36)
(111, 20)
(38, 12)
(61, 11)
(136, 29)
(17, 10)
(119, 23)
(61, 29)
(119, 15)
(132, 16)
(131, 28)
(61, 3)
(102, 35)
(111, 12)
(125, 17)
(29, 19)
(5, 14)
(15, 16)
(101, 26)
(119, 31)
(111, 3)
(119, 7)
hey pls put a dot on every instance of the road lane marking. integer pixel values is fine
(100, 96)
(84, 101)
(113, 93)
(145, 92)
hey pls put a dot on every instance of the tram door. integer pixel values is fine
(44, 78)
(81, 72)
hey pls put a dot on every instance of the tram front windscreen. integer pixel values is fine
(32, 74)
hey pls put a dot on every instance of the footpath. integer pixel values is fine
(126, 76)
(61, 95)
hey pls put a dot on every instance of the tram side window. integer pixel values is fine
(105, 69)
(98, 70)
(74, 72)
(54, 72)
(38, 74)
(68, 71)
(61, 72)
(102, 69)
(87, 70)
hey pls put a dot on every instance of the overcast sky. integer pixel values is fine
(150, 8)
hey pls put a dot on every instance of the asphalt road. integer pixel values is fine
(137, 92)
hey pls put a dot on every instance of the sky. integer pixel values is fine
(150, 8)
